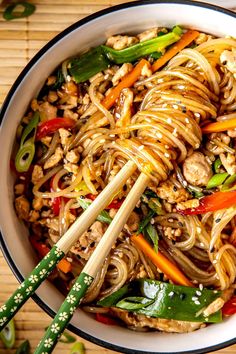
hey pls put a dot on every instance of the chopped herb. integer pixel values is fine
(24, 348)
(78, 348)
(17, 10)
(145, 221)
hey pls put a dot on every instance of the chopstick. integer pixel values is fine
(58, 251)
(91, 268)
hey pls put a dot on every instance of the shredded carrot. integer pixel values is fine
(219, 126)
(163, 263)
(184, 41)
(127, 81)
(64, 266)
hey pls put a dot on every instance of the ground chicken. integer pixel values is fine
(73, 156)
(196, 169)
(120, 42)
(37, 174)
(146, 71)
(229, 163)
(161, 324)
(212, 145)
(33, 216)
(47, 111)
(149, 34)
(231, 133)
(88, 240)
(22, 206)
(168, 191)
(54, 159)
(132, 222)
(228, 59)
(121, 72)
(192, 203)
(65, 136)
(19, 189)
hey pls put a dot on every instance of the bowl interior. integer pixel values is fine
(133, 18)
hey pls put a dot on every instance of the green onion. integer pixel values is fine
(78, 348)
(26, 150)
(217, 180)
(67, 338)
(156, 206)
(155, 55)
(17, 10)
(228, 182)
(134, 303)
(141, 49)
(217, 165)
(24, 348)
(102, 217)
(114, 297)
(59, 80)
(152, 233)
(7, 335)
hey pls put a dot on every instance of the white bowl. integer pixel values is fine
(89, 32)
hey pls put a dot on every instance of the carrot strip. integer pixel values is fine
(127, 81)
(64, 266)
(219, 126)
(163, 263)
(184, 41)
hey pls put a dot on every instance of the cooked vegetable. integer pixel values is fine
(229, 307)
(157, 299)
(216, 201)
(103, 216)
(24, 348)
(229, 182)
(78, 348)
(145, 221)
(219, 126)
(217, 180)
(163, 263)
(42, 250)
(101, 57)
(67, 338)
(26, 151)
(7, 335)
(127, 81)
(184, 41)
(217, 165)
(105, 319)
(142, 49)
(151, 231)
(18, 9)
(51, 126)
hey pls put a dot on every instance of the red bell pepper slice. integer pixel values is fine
(105, 319)
(42, 250)
(229, 307)
(213, 202)
(115, 204)
(51, 126)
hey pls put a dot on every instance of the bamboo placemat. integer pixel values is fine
(19, 41)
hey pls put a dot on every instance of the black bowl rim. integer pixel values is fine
(14, 87)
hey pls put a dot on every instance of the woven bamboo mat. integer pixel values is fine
(19, 41)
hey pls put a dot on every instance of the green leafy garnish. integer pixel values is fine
(24, 348)
(102, 217)
(151, 231)
(18, 9)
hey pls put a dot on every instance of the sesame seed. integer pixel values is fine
(186, 120)
(215, 291)
(169, 308)
(217, 220)
(112, 135)
(201, 287)
(197, 302)
(202, 244)
(215, 261)
(198, 293)
(199, 230)
(68, 78)
(113, 142)
(152, 221)
(159, 135)
(169, 120)
(166, 154)
(185, 183)
(175, 106)
(206, 319)
(167, 147)
(175, 132)
(198, 115)
(141, 147)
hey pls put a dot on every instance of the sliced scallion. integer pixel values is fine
(7, 335)
(217, 180)
(17, 10)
